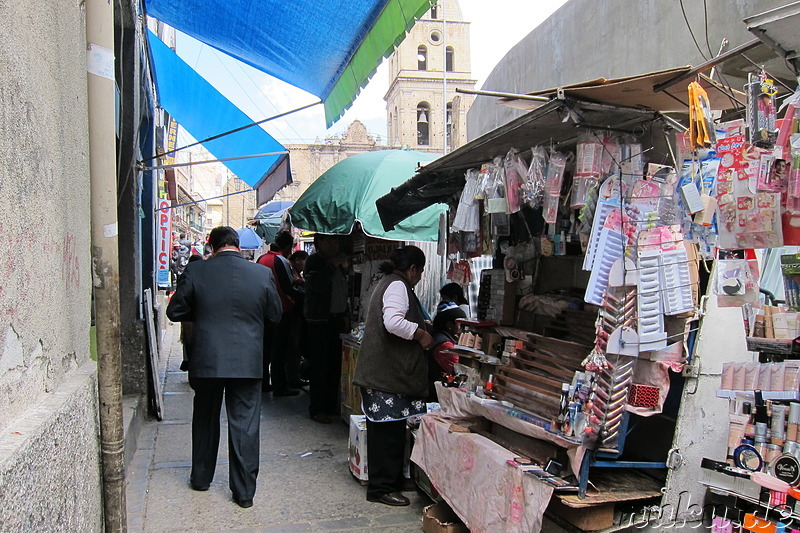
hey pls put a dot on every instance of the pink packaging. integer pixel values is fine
(791, 377)
(778, 371)
(764, 376)
(727, 376)
(751, 371)
(739, 371)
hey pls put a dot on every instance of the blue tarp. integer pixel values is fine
(204, 112)
(329, 48)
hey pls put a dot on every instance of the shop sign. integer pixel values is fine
(163, 242)
(377, 250)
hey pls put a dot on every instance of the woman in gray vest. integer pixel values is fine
(392, 371)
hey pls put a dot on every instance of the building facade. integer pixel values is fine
(310, 161)
(422, 106)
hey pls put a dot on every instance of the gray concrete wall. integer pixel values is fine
(49, 474)
(587, 39)
(50, 462)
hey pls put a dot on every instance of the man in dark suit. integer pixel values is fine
(230, 301)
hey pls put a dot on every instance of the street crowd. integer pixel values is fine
(273, 325)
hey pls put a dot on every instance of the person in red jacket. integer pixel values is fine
(278, 343)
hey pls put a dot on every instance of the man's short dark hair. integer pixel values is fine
(223, 236)
(284, 240)
(299, 255)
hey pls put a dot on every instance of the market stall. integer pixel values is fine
(598, 217)
(342, 202)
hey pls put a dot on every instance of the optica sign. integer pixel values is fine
(163, 243)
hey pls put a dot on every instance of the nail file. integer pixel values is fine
(611, 247)
(600, 215)
(677, 291)
(652, 335)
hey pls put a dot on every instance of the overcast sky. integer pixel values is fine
(496, 27)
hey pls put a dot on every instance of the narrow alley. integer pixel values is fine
(304, 483)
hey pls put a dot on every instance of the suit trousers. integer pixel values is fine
(386, 445)
(325, 355)
(243, 407)
(278, 348)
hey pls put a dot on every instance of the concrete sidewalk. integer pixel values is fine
(304, 483)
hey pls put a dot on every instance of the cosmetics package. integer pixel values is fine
(751, 371)
(727, 376)
(778, 426)
(736, 432)
(739, 374)
(791, 375)
(764, 376)
(794, 421)
(778, 371)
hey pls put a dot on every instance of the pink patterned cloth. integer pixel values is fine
(472, 474)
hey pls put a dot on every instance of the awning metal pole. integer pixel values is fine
(202, 200)
(280, 115)
(707, 65)
(497, 94)
(212, 161)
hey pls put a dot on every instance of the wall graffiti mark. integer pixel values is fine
(70, 265)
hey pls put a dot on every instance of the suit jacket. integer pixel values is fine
(231, 301)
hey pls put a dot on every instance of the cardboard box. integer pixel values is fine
(439, 518)
(358, 447)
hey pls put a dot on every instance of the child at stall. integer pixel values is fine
(441, 359)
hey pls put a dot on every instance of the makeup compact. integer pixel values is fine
(786, 468)
(746, 456)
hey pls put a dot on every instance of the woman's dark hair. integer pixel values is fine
(453, 292)
(402, 259)
(223, 236)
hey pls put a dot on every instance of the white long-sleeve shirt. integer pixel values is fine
(395, 307)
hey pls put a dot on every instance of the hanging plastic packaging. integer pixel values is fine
(761, 112)
(495, 193)
(468, 212)
(702, 133)
(515, 171)
(734, 283)
(553, 181)
(533, 190)
(588, 168)
(611, 156)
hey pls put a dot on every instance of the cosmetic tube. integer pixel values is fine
(736, 431)
(794, 421)
(778, 424)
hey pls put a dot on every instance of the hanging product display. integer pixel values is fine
(761, 111)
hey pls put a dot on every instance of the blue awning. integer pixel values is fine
(204, 112)
(329, 49)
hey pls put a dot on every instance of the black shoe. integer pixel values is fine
(244, 504)
(287, 392)
(199, 488)
(322, 419)
(391, 498)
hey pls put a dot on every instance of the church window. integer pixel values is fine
(422, 57)
(434, 12)
(423, 131)
(449, 57)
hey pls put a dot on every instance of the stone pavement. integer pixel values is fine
(304, 484)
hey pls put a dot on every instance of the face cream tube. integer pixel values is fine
(778, 424)
(736, 431)
(794, 420)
